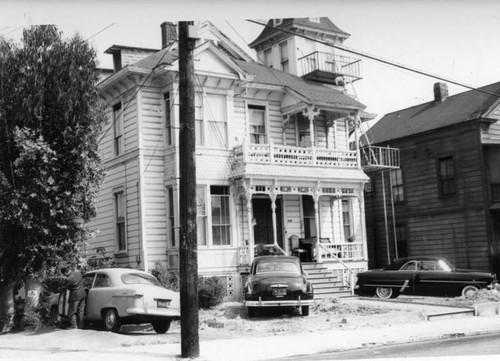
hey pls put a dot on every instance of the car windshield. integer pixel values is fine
(287, 267)
(139, 278)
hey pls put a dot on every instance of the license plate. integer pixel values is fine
(163, 303)
(279, 292)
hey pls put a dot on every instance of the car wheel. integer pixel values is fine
(385, 292)
(111, 321)
(55, 318)
(469, 290)
(305, 310)
(161, 326)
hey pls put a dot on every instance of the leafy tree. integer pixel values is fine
(50, 170)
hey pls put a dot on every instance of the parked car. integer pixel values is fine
(431, 276)
(118, 296)
(277, 281)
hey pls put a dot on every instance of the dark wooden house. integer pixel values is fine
(444, 200)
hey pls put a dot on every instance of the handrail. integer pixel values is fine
(349, 269)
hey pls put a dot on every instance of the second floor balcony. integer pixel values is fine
(327, 67)
(379, 158)
(258, 155)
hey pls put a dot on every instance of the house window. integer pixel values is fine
(284, 56)
(168, 118)
(309, 217)
(171, 215)
(118, 128)
(397, 185)
(370, 186)
(221, 219)
(215, 114)
(257, 115)
(446, 176)
(268, 57)
(211, 120)
(304, 130)
(120, 211)
(201, 216)
(198, 119)
(346, 219)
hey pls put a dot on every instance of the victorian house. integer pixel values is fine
(277, 164)
(444, 200)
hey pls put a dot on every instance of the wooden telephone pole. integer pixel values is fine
(190, 347)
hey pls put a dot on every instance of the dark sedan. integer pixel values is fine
(428, 276)
(277, 281)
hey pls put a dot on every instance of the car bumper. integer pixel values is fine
(155, 312)
(279, 303)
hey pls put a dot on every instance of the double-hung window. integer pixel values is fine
(211, 120)
(201, 216)
(397, 185)
(346, 219)
(284, 56)
(446, 169)
(120, 212)
(171, 216)
(168, 118)
(118, 129)
(221, 215)
(257, 115)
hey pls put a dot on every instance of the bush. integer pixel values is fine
(211, 292)
(32, 320)
(168, 278)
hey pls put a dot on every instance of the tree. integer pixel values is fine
(50, 170)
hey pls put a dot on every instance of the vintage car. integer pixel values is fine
(117, 296)
(430, 276)
(276, 281)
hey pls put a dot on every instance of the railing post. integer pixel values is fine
(271, 152)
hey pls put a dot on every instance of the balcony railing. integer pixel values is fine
(331, 65)
(294, 156)
(377, 158)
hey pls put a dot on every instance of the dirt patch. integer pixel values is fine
(230, 320)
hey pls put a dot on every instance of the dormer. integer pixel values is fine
(125, 55)
(282, 45)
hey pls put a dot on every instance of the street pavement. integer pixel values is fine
(90, 345)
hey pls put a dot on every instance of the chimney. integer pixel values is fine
(168, 34)
(440, 92)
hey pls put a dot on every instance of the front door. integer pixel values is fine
(263, 221)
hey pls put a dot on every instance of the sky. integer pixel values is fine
(454, 40)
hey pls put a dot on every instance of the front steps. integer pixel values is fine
(324, 283)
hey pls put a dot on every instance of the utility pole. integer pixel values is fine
(190, 347)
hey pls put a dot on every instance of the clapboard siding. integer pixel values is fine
(491, 134)
(452, 226)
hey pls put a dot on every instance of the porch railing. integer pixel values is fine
(348, 272)
(347, 251)
(295, 156)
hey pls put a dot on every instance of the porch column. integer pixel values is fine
(311, 113)
(251, 245)
(273, 214)
(316, 221)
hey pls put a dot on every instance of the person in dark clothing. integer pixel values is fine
(77, 295)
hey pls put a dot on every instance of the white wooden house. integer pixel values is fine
(274, 162)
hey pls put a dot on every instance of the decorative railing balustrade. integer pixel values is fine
(295, 156)
(331, 63)
(345, 251)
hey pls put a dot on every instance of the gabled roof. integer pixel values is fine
(314, 92)
(434, 115)
(165, 56)
(324, 25)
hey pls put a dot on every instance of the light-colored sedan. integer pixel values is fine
(118, 296)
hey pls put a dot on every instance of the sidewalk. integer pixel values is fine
(412, 326)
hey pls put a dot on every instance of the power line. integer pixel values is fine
(100, 31)
(376, 58)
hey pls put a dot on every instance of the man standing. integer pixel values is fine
(77, 295)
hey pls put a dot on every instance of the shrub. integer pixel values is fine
(98, 260)
(211, 292)
(167, 277)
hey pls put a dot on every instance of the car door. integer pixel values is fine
(406, 276)
(99, 296)
(432, 280)
(88, 281)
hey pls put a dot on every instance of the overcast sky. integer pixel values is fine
(456, 39)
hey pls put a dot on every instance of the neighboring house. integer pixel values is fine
(445, 198)
(273, 157)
